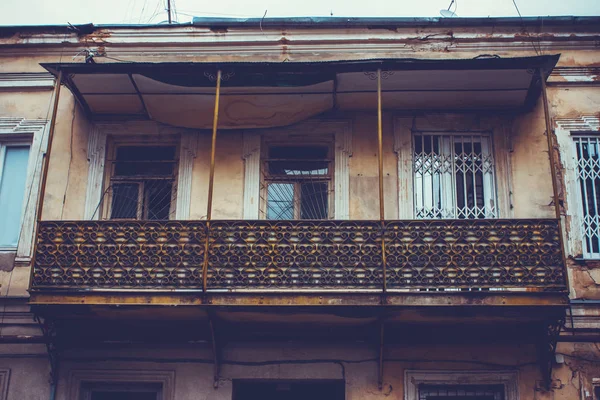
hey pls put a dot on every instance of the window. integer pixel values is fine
(288, 390)
(297, 182)
(454, 176)
(142, 183)
(13, 175)
(460, 385)
(588, 177)
(461, 392)
(121, 391)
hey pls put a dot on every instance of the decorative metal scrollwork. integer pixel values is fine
(372, 75)
(421, 254)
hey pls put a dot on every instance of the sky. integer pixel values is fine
(60, 12)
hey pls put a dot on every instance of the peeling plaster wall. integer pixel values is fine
(531, 177)
(194, 379)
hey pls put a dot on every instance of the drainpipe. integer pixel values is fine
(549, 131)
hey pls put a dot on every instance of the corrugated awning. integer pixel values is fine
(256, 95)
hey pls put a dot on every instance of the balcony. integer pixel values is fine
(288, 257)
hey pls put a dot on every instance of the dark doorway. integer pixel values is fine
(121, 391)
(288, 390)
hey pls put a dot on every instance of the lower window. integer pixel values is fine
(121, 391)
(461, 392)
(288, 390)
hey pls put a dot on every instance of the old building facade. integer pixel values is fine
(289, 208)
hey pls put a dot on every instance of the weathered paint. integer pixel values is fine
(527, 179)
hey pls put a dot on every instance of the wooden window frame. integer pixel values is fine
(139, 141)
(340, 129)
(269, 142)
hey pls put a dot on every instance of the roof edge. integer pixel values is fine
(324, 22)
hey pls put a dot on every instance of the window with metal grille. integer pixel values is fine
(454, 176)
(461, 392)
(296, 182)
(142, 183)
(587, 149)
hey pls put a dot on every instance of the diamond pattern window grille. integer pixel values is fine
(454, 176)
(588, 174)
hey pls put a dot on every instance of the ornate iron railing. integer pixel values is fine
(419, 255)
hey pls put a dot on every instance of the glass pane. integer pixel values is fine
(145, 160)
(12, 193)
(158, 199)
(313, 201)
(280, 201)
(124, 200)
(298, 160)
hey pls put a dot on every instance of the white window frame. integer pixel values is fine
(566, 129)
(577, 140)
(414, 378)
(447, 179)
(500, 131)
(342, 151)
(4, 144)
(97, 147)
(33, 133)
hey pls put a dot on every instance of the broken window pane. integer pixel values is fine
(298, 181)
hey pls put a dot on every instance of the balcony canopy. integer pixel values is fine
(258, 95)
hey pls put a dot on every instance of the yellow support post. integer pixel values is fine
(211, 180)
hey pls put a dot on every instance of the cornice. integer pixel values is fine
(567, 76)
(10, 125)
(193, 41)
(582, 123)
(26, 81)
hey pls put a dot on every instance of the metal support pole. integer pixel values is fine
(44, 178)
(211, 179)
(555, 196)
(381, 198)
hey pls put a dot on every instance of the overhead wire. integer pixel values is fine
(537, 52)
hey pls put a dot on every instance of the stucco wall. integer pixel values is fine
(578, 364)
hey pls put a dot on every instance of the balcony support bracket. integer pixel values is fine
(216, 351)
(48, 329)
(547, 349)
(381, 332)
